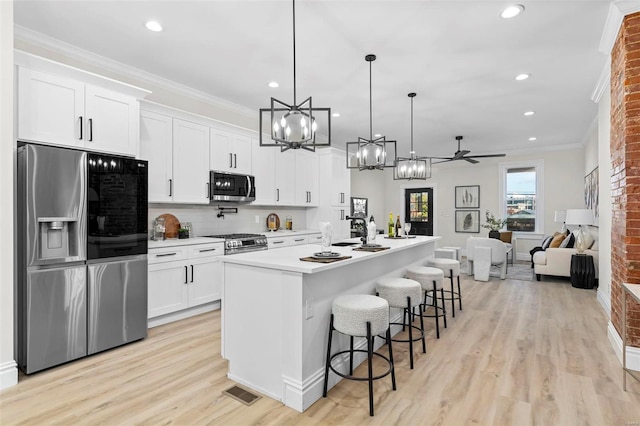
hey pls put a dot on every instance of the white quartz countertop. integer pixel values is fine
(286, 233)
(184, 242)
(288, 258)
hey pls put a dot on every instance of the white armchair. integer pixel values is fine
(484, 252)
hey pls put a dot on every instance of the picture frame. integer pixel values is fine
(591, 194)
(467, 197)
(359, 207)
(467, 221)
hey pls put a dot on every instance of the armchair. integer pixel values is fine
(484, 252)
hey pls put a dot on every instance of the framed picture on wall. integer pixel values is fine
(468, 221)
(468, 197)
(591, 189)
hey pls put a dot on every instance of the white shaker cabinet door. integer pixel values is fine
(220, 157)
(241, 149)
(50, 108)
(306, 180)
(168, 288)
(205, 284)
(285, 167)
(111, 123)
(156, 146)
(263, 160)
(190, 162)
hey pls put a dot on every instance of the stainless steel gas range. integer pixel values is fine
(242, 243)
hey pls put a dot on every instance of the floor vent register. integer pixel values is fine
(242, 395)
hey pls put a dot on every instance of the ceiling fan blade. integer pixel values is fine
(487, 156)
(458, 155)
(439, 158)
(470, 160)
(445, 160)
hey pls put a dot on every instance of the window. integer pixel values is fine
(521, 196)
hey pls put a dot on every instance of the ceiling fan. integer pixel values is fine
(462, 155)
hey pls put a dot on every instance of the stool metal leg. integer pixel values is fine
(326, 368)
(408, 310)
(393, 371)
(435, 306)
(444, 310)
(424, 343)
(459, 293)
(370, 365)
(453, 299)
(351, 355)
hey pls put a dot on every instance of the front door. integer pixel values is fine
(419, 210)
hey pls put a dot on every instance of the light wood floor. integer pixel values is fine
(519, 353)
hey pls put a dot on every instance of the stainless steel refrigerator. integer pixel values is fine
(69, 304)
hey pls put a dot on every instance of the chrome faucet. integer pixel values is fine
(364, 227)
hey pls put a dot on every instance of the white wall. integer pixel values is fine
(8, 371)
(604, 196)
(563, 183)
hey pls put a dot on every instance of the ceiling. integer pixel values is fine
(460, 58)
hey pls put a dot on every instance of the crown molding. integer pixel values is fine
(603, 82)
(29, 36)
(617, 11)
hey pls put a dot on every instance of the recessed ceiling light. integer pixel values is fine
(335, 114)
(512, 11)
(521, 77)
(533, 138)
(377, 135)
(153, 26)
(274, 84)
(528, 113)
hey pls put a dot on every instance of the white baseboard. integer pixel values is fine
(8, 374)
(179, 315)
(633, 354)
(605, 302)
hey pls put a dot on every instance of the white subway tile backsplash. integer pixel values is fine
(204, 219)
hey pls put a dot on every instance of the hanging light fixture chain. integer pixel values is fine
(294, 53)
(411, 153)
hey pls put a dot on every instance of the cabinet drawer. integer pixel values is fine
(206, 250)
(314, 238)
(166, 254)
(297, 241)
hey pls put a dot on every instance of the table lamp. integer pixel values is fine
(580, 217)
(561, 217)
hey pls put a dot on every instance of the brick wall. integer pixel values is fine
(625, 173)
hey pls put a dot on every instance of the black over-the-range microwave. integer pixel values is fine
(231, 187)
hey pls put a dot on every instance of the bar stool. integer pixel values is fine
(431, 280)
(360, 315)
(451, 269)
(404, 294)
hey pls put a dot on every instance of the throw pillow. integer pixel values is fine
(565, 242)
(557, 240)
(546, 242)
(572, 241)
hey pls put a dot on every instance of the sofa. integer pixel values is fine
(556, 261)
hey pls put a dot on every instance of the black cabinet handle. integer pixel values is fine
(208, 193)
(235, 161)
(205, 250)
(80, 128)
(186, 274)
(91, 130)
(277, 194)
(278, 242)
(230, 160)
(170, 187)
(297, 241)
(191, 273)
(166, 254)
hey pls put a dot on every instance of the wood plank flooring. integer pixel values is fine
(520, 353)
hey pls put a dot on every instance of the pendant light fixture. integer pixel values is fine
(294, 126)
(413, 167)
(371, 154)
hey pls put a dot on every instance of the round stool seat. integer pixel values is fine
(396, 290)
(352, 312)
(426, 275)
(448, 266)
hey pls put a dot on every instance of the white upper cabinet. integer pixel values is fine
(285, 176)
(190, 162)
(230, 151)
(178, 155)
(263, 160)
(50, 108)
(156, 146)
(62, 105)
(306, 180)
(339, 188)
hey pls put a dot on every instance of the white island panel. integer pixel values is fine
(276, 312)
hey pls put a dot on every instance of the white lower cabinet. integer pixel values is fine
(287, 241)
(340, 226)
(183, 277)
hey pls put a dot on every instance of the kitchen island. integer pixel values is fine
(276, 310)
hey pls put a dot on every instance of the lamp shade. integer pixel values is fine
(579, 217)
(560, 216)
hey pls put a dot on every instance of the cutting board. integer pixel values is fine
(171, 225)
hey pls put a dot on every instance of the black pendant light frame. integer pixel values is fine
(379, 147)
(280, 111)
(415, 168)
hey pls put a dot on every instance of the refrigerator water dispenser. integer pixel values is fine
(56, 236)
